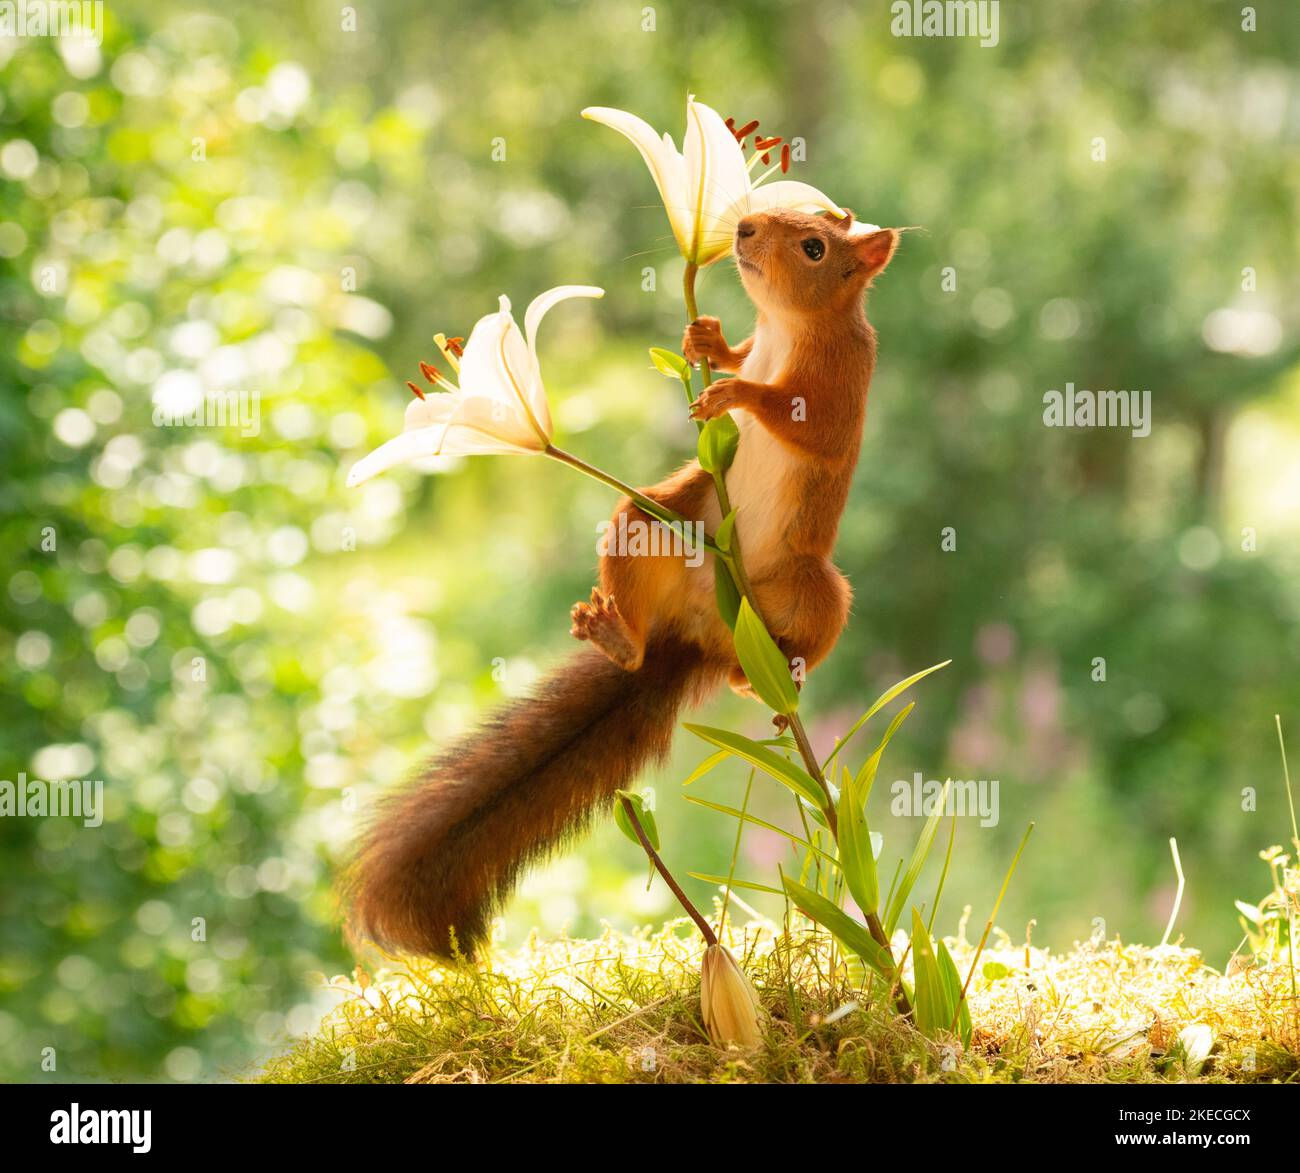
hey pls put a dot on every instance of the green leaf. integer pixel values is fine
(853, 936)
(715, 759)
(764, 663)
(856, 857)
(725, 593)
(867, 775)
(798, 840)
(787, 773)
(644, 815)
(881, 701)
(668, 363)
(952, 984)
(734, 883)
(716, 446)
(943, 875)
(995, 971)
(935, 1005)
(725, 530)
(919, 854)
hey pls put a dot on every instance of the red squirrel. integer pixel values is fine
(443, 854)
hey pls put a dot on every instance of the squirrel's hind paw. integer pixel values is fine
(600, 622)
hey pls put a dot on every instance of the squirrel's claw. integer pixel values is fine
(703, 339)
(713, 401)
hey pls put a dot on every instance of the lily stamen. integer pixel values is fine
(451, 349)
(764, 147)
(436, 377)
(743, 132)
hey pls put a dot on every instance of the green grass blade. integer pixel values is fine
(919, 856)
(943, 875)
(952, 987)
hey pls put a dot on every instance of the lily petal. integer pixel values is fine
(432, 409)
(783, 193)
(408, 446)
(717, 175)
(862, 228)
(481, 427)
(537, 310)
(464, 433)
(495, 366)
(666, 165)
(542, 303)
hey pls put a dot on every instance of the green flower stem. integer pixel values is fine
(674, 521)
(706, 930)
(737, 567)
(693, 312)
(736, 563)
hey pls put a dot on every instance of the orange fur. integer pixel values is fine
(802, 382)
(444, 853)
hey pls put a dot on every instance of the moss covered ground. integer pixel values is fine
(625, 1008)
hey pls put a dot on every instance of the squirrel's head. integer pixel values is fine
(793, 261)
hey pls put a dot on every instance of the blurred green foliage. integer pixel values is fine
(257, 199)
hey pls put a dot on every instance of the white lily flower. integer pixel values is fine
(500, 405)
(708, 187)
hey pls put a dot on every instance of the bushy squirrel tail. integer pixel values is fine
(443, 853)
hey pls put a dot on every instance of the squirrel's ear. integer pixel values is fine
(875, 249)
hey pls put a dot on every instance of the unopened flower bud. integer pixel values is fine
(727, 1000)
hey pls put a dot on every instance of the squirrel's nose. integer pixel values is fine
(746, 227)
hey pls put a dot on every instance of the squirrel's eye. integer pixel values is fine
(814, 249)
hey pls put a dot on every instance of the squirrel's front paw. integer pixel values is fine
(703, 339)
(714, 400)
